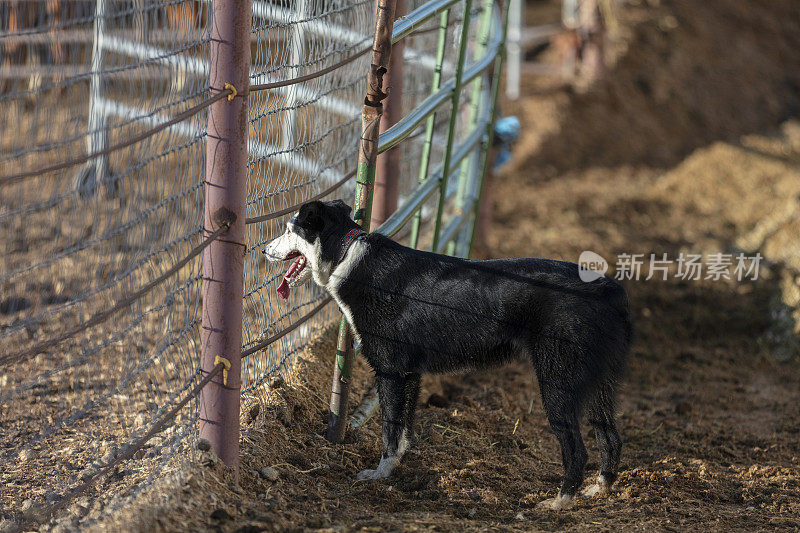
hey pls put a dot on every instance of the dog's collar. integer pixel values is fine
(347, 241)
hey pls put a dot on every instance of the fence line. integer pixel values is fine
(159, 424)
(445, 230)
(123, 304)
(224, 93)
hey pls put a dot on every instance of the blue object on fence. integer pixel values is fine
(506, 133)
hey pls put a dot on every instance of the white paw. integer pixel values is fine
(372, 474)
(562, 501)
(384, 469)
(598, 489)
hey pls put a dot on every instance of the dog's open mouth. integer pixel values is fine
(292, 273)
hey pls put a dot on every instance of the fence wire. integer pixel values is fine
(78, 77)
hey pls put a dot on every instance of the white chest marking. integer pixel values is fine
(354, 255)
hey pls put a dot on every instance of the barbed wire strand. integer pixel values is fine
(224, 93)
(102, 316)
(292, 208)
(13, 178)
(139, 443)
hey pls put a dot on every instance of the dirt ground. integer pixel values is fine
(689, 145)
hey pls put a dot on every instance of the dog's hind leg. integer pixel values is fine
(398, 399)
(601, 416)
(411, 395)
(562, 413)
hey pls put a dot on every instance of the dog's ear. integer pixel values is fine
(310, 216)
(339, 204)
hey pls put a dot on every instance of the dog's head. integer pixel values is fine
(312, 239)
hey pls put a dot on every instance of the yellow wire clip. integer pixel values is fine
(226, 366)
(234, 92)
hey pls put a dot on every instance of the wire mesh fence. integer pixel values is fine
(78, 77)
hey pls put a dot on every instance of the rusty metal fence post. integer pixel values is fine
(223, 260)
(365, 181)
(387, 173)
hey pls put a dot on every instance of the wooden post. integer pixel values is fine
(367, 156)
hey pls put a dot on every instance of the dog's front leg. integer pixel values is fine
(398, 398)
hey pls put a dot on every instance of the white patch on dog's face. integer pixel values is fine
(311, 240)
(288, 245)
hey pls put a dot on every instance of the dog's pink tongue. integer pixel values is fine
(283, 289)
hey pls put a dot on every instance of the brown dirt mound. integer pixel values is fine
(688, 73)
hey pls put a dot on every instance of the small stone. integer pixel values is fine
(269, 473)
(472, 512)
(26, 455)
(26, 505)
(108, 457)
(203, 445)
(316, 522)
(87, 473)
(140, 420)
(520, 516)
(209, 458)
(220, 514)
(7, 525)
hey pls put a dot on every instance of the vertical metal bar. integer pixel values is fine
(490, 130)
(98, 137)
(365, 181)
(141, 20)
(474, 111)
(514, 53)
(387, 173)
(462, 48)
(223, 260)
(430, 125)
(297, 51)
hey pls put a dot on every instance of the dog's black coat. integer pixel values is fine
(418, 312)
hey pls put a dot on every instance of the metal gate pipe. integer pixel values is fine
(498, 70)
(462, 49)
(474, 110)
(394, 135)
(223, 260)
(441, 45)
(426, 189)
(420, 16)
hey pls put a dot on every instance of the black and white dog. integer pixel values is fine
(417, 312)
